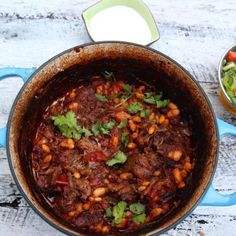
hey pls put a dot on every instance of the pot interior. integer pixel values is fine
(134, 64)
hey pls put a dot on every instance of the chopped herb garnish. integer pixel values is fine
(100, 129)
(137, 208)
(155, 99)
(124, 98)
(122, 124)
(162, 103)
(151, 97)
(85, 132)
(109, 75)
(125, 138)
(101, 97)
(145, 113)
(119, 158)
(127, 95)
(67, 124)
(127, 88)
(96, 129)
(108, 213)
(134, 107)
(139, 218)
(119, 211)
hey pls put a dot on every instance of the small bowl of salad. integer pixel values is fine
(227, 79)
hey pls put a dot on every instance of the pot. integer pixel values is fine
(65, 70)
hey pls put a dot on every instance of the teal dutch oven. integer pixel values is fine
(53, 78)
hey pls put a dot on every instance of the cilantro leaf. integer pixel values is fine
(127, 88)
(109, 125)
(122, 124)
(145, 113)
(155, 99)
(151, 97)
(67, 125)
(101, 97)
(139, 218)
(100, 129)
(119, 211)
(109, 75)
(119, 158)
(137, 208)
(125, 138)
(85, 132)
(95, 129)
(123, 99)
(134, 107)
(128, 94)
(108, 213)
(163, 103)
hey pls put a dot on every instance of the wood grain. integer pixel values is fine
(194, 33)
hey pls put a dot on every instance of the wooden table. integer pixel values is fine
(194, 33)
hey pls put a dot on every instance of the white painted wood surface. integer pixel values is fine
(195, 33)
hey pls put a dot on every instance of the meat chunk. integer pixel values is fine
(125, 190)
(87, 219)
(145, 164)
(83, 187)
(91, 217)
(66, 202)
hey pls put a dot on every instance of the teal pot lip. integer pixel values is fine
(99, 43)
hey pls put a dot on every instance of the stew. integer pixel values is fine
(112, 157)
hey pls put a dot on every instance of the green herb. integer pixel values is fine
(122, 124)
(108, 213)
(101, 97)
(155, 99)
(139, 218)
(125, 138)
(100, 129)
(151, 97)
(67, 124)
(109, 75)
(162, 103)
(134, 107)
(127, 88)
(127, 95)
(95, 129)
(119, 158)
(119, 212)
(145, 113)
(124, 98)
(85, 132)
(137, 208)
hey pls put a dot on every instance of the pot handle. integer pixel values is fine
(212, 197)
(24, 73)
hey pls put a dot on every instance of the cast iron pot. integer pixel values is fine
(67, 70)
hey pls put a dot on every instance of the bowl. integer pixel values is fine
(129, 21)
(224, 97)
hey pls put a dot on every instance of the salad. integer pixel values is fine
(229, 74)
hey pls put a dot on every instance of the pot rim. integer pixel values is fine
(12, 169)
